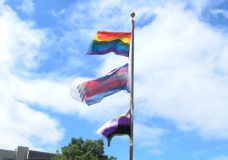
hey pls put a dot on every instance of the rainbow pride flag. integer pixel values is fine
(94, 91)
(119, 125)
(105, 42)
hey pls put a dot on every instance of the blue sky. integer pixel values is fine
(181, 75)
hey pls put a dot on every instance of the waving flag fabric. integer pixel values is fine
(119, 125)
(105, 42)
(94, 91)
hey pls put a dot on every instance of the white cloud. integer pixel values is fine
(157, 152)
(199, 6)
(19, 124)
(2, 2)
(181, 72)
(27, 6)
(148, 136)
(58, 13)
(220, 158)
(220, 12)
(20, 41)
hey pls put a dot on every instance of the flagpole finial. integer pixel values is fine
(133, 14)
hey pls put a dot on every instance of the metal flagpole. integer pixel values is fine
(132, 87)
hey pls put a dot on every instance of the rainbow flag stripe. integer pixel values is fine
(105, 42)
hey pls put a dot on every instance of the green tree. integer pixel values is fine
(80, 149)
(56, 156)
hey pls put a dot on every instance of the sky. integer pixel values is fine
(181, 75)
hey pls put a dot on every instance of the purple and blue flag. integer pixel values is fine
(119, 125)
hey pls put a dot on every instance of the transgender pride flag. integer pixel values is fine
(94, 91)
(119, 125)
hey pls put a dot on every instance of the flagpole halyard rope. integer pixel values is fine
(132, 89)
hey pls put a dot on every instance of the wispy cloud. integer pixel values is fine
(220, 158)
(149, 137)
(220, 12)
(58, 13)
(27, 6)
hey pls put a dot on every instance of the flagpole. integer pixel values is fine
(132, 88)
